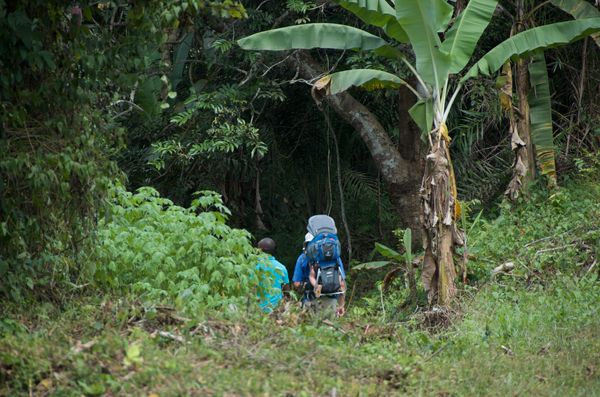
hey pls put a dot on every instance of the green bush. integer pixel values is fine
(166, 253)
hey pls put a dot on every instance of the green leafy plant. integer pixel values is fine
(166, 253)
(402, 261)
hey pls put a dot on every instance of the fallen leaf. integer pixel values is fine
(169, 335)
(590, 370)
(544, 350)
(45, 384)
(507, 350)
(79, 347)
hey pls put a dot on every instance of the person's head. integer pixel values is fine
(307, 239)
(267, 245)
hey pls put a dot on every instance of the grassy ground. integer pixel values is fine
(534, 332)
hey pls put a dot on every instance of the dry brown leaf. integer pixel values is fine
(45, 384)
(515, 139)
(79, 347)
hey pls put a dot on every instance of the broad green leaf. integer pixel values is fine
(422, 20)
(540, 111)
(529, 41)
(422, 114)
(387, 51)
(388, 252)
(463, 36)
(377, 13)
(179, 59)
(370, 79)
(372, 265)
(579, 9)
(312, 35)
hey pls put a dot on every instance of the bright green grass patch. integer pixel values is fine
(512, 341)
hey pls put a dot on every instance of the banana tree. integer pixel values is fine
(532, 127)
(420, 24)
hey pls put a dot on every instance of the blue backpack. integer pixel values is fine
(324, 252)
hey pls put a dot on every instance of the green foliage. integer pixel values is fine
(541, 117)
(70, 76)
(366, 78)
(464, 34)
(537, 328)
(165, 253)
(554, 233)
(377, 13)
(529, 41)
(395, 257)
(538, 339)
(175, 11)
(59, 88)
(226, 132)
(579, 9)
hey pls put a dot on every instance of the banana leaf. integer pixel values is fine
(422, 114)
(463, 36)
(389, 253)
(372, 265)
(579, 9)
(370, 79)
(422, 20)
(529, 41)
(377, 13)
(540, 111)
(312, 35)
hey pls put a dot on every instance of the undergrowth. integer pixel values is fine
(534, 331)
(187, 257)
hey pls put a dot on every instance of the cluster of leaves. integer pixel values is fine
(173, 10)
(166, 253)
(227, 131)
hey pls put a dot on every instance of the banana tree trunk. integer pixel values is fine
(524, 122)
(439, 210)
(523, 171)
(517, 144)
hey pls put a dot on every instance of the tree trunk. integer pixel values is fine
(523, 123)
(516, 143)
(440, 210)
(412, 151)
(400, 174)
(522, 90)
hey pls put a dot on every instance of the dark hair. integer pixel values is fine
(267, 245)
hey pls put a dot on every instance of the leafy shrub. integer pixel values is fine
(168, 253)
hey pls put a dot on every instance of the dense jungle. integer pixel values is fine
(160, 161)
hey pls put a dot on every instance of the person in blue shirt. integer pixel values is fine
(302, 273)
(276, 273)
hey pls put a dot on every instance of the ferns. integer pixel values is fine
(480, 148)
(359, 185)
